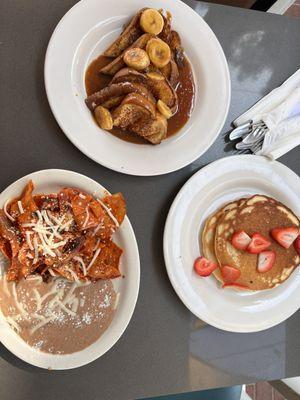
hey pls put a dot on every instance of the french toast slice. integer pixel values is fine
(133, 108)
(116, 90)
(160, 88)
(129, 35)
(154, 131)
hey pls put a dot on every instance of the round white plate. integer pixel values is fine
(49, 181)
(83, 34)
(213, 186)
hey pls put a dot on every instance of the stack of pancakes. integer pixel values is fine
(257, 214)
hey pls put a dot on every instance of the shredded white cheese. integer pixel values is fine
(34, 278)
(58, 296)
(86, 218)
(117, 301)
(21, 209)
(94, 258)
(52, 291)
(13, 323)
(46, 218)
(70, 300)
(52, 273)
(28, 240)
(82, 264)
(96, 245)
(58, 252)
(70, 293)
(41, 324)
(6, 212)
(97, 228)
(39, 214)
(5, 287)
(36, 251)
(37, 299)
(18, 304)
(29, 225)
(39, 316)
(109, 213)
(74, 305)
(45, 248)
(81, 303)
(56, 220)
(66, 225)
(58, 244)
(66, 309)
(75, 277)
(81, 196)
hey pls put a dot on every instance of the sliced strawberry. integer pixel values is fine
(240, 240)
(204, 267)
(297, 245)
(285, 236)
(235, 285)
(230, 274)
(258, 244)
(266, 260)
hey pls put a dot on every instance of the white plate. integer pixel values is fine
(52, 180)
(83, 34)
(213, 186)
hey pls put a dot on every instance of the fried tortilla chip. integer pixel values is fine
(106, 265)
(9, 233)
(115, 211)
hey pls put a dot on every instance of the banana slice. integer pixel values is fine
(159, 52)
(164, 109)
(156, 76)
(136, 58)
(151, 21)
(104, 118)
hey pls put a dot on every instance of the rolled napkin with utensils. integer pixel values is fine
(272, 126)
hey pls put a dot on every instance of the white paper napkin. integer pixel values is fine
(280, 111)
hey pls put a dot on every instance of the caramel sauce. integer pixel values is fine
(186, 94)
(95, 81)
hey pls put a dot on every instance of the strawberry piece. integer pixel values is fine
(230, 274)
(204, 267)
(266, 260)
(297, 245)
(285, 236)
(235, 285)
(258, 244)
(240, 240)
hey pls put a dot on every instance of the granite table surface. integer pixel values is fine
(165, 349)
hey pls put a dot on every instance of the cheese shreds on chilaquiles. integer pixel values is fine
(67, 234)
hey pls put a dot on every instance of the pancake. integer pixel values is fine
(208, 235)
(257, 214)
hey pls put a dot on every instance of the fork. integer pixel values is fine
(252, 135)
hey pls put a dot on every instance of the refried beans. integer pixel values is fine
(58, 316)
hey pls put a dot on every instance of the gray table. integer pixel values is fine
(165, 349)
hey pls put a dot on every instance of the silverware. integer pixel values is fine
(241, 130)
(251, 135)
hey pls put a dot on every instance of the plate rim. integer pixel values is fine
(167, 228)
(78, 363)
(125, 170)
